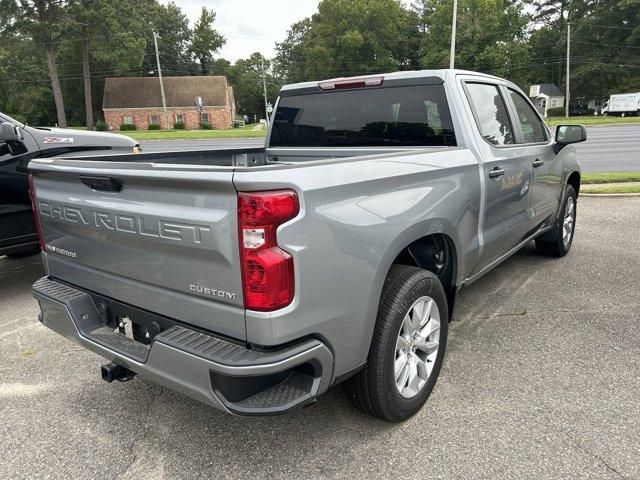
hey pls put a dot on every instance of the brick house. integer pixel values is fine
(137, 100)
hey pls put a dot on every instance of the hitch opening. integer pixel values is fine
(111, 372)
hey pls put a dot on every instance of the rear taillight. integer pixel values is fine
(36, 214)
(267, 270)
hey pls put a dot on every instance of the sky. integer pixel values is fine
(251, 25)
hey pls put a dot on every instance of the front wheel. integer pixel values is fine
(557, 242)
(407, 348)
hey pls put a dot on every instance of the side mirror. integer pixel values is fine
(12, 137)
(10, 133)
(566, 134)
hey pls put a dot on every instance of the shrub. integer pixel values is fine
(556, 112)
(101, 126)
(206, 126)
(153, 126)
(178, 126)
(128, 126)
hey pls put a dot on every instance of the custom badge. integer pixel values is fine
(64, 140)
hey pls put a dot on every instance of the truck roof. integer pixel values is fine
(443, 74)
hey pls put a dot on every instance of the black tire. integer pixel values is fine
(373, 389)
(24, 253)
(551, 243)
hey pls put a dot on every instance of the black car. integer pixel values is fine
(20, 143)
(580, 111)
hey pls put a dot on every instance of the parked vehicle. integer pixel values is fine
(20, 143)
(580, 111)
(254, 279)
(622, 104)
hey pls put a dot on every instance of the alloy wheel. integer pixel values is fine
(417, 347)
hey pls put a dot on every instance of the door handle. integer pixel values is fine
(497, 172)
(538, 163)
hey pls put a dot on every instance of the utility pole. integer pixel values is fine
(264, 88)
(452, 55)
(566, 96)
(164, 100)
(86, 75)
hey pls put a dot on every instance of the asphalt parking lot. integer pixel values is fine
(541, 380)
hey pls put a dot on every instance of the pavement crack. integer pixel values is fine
(596, 456)
(582, 448)
(521, 313)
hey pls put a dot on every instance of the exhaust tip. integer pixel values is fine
(112, 371)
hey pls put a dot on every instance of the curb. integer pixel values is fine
(611, 195)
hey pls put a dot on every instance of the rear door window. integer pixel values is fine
(392, 116)
(491, 113)
(533, 130)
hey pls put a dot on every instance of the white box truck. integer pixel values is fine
(622, 104)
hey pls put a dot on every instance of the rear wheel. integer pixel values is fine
(557, 242)
(407, 349)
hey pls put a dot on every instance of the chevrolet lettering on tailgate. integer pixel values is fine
(137, 225)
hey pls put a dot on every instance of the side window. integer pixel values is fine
(532, 127)
(491, 112)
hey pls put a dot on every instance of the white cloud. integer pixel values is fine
(251, 25)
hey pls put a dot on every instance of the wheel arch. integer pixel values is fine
(435, 252)
(574, 180)
(393, 254)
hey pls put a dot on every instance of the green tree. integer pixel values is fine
(206, 40)
(173, 43)
(246, 77)
(350, 37)
(490, 35)
(42, 21)
(105, 38)
(606, 49)
(25, 89)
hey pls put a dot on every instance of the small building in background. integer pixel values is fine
(138, 101)
(545, 96)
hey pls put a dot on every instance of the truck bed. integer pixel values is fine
(241, 157)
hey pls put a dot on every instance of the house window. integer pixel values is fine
(127, 120)
(204, 118)
(179, 118)
(153, 120)
(554, 102)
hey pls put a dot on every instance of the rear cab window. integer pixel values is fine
(381, 116)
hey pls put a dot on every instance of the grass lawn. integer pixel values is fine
(242, 132)
(612, 188)
(610, 177)
(599, 120)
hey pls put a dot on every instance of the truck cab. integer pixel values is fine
(19, 144)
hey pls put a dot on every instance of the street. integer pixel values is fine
(609, 148)
(541, 380)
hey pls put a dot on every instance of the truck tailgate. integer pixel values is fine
(157, 237)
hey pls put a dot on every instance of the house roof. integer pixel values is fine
(144, 92)
(550, 89)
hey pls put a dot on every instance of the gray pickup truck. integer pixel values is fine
(255, 279)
